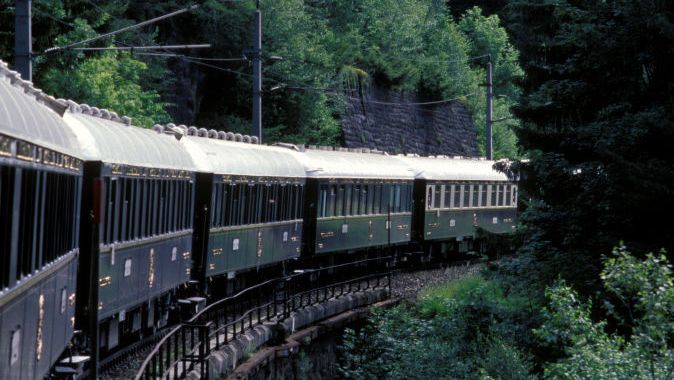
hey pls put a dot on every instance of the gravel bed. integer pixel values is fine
(406, 285)
(127, 368)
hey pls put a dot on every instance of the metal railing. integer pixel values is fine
(188, 345)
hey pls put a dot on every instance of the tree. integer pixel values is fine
(116, 81)
(645, 289)
(329, 48)
(111, 82)
(488, 37)
(597, 125)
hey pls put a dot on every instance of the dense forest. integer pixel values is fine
(589, 293)
(588, 102)
(329, 48)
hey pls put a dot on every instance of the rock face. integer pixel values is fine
(369, 122)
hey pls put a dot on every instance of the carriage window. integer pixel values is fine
(355, 200)
(376, 198)
(137, 199)
(119, 207)
(277, 203)
(27, 230)
(276, 209)
(299, 192)
(256, 201)
(297, 202)
(483, 196)
(289, 206)
(347, 200)
(175, 201)
(170, 210)
(494, 192)
(370, 199)
(249, 193)
(475, 194)
(339, 201)
(514, 195)
(147, 206)
(323, 200)
(332, 195)
(128, 209)
(508, 196)
(409, 197)
(156, 206)
(500, 195)
(333, 200)
(6, 211)
(168, 194)
(161, 221)
(264, 203)
(466, 196)
(159, 207)
(214, 205)
(363, 200)
(436, 196)
(447, 196)
(430, 193)
(236, 200)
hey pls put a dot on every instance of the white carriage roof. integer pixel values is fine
(29, 114)
(103, 136)
(226, 157)
(344, 164)
(453, 169)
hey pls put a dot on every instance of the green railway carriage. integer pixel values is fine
(456, 196)
(40, 187)
(136, 224)
(355, 200)
(249, 204)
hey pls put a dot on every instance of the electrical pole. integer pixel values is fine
(23, 47)
(489, 147)
(257, 75)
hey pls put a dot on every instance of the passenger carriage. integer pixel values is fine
(454, 197)
(249, 204)
(136, 223)
(40, 189)
(355, 200)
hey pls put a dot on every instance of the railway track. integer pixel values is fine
(123, 363)
(405, 284)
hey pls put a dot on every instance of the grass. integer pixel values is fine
(473, 289)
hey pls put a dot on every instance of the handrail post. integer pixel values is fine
(204, 348)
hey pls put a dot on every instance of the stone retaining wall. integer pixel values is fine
(225, 361)
(370, 121)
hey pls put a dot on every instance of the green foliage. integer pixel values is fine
(116, 81)
(597, 115)
(109, 82)
(488, 37)
(329, 48)
(645, 289)
(468, 329)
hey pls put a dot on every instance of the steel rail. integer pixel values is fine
(151, 360)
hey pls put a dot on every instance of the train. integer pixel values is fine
(109, 230)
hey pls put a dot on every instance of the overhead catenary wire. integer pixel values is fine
(151, 47)
(122, 30)
(211, 59)
(202, 61)
(328, 90)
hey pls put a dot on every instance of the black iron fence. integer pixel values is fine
(187, 346)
